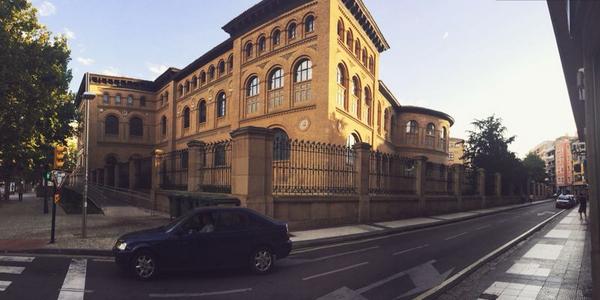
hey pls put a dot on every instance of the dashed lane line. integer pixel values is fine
(23, 259)
(455, 236)
(343, 253)
(410, 249)
(335, 271)
(189, 295)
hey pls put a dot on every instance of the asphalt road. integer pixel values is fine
(397, 266)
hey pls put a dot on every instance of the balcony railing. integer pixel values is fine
(419, 138)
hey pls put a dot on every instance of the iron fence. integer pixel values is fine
(214, 174)
(470, 182)
(174, 170)
(312, 168)
(391, 174)
(142, 170)
(490, 184)
(437, 181)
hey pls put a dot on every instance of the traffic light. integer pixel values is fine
(59, 157)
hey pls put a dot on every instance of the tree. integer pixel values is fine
(34, 78)
(536, 168)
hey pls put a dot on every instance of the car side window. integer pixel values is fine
(192, 225)
(232, 221)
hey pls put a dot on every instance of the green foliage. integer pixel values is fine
(36, 105)
(536, 168)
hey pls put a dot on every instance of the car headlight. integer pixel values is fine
(121, 245)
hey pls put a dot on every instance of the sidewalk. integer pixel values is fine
(26, 228)
(554, 263)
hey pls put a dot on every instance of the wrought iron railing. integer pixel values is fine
(174, 170)
(391, 174)
(214, 174)
(312, 168)
(437, 180)
(470, 184)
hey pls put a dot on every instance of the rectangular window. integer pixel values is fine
(129, 100)
(341, 95)
(354, 106)
(302, 92)
(105, 99)
(118, 99)
(253, 105)
(275, 98)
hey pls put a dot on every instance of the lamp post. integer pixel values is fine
(87, 96)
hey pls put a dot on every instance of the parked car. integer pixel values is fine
(565, 201)
(205, 238)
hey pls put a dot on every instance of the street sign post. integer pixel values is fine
(58, 178)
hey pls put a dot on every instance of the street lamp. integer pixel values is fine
(87, 96)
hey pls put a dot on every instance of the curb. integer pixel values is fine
(295, 245)
(358, 236)
(435, 292)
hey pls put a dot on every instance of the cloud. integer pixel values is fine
(85, 61)
(69, 33)
(46, 8)
(111, 71)
(445, 35)
(156, 69)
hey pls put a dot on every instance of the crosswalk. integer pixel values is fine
(8, 266)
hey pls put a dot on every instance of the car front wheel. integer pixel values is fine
(262, 260)
(144, 265)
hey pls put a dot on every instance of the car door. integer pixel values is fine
(187, 245)
(233, 239)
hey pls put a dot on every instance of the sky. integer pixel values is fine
(468, 58)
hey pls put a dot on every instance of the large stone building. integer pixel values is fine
(309, 70)
(456, 151)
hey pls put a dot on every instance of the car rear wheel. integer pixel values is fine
(262, 260)
(144, 265)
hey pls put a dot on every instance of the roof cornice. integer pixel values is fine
(366, 20)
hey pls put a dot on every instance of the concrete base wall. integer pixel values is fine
(305, 212)
(388, 208)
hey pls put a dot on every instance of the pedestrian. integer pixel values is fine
(20, 190)
(582, 205)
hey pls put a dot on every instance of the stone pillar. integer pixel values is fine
(459, 174)
(498, 184)
(116, 175)
(106, 175)
(194, 151)
(363, 151)
(132, 173)
(481, 186)
(252, 168)
(420, 181)
(155, 185)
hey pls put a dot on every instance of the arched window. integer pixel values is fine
(194, 82)
(202, 78)
(371, 64)
(302, 80)
(202, 111)
(187, 87)
(411, 127)
(309, 24)
(342, 86)
(386, 119)
(142, 101)
(276, 37)
(355, 103)
(136, 127)
(162, 100)
(340, 30)
(186, 117)
(262, 45)
(379, 117)
(281, 145)
(111, 125)
(230, 64)
(350, 142)
(221, 68)
(364, 56)
(349, 39)
(275, 87)
(357, 48)
(221, 104)
(367, 112)
(167, 97)
(248, 50)
(130, 100)
(180, 90)
(211, 73)
(430, 129)
(163, 125)
(444, 138)
(105, 98)
(291, 31)
(252, 89)
(118, 99)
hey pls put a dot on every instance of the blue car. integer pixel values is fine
(205, 238)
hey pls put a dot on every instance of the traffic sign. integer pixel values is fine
(58, 178)
(56, 198)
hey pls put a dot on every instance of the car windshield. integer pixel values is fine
(168, 227)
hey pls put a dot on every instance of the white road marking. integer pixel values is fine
(483, 227)
(103, 259)
(455, 236)
(4, 285)
(343, 253)
(11, 270)
(411, 249)
(189, 295)
(73, 287)
(335, 271)
(16, 258)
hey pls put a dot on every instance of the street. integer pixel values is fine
(396, 266)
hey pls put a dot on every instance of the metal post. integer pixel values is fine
(85, 186)
(53, 217)
(45, 188)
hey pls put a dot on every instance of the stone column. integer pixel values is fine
(459, 174)
(252, 168)
(363, 151)
(116, 175)
(498, 184)
(132, 173)
(194, 149)
(481, 185)
(420, 181)
(155, 185)
(106, 175)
